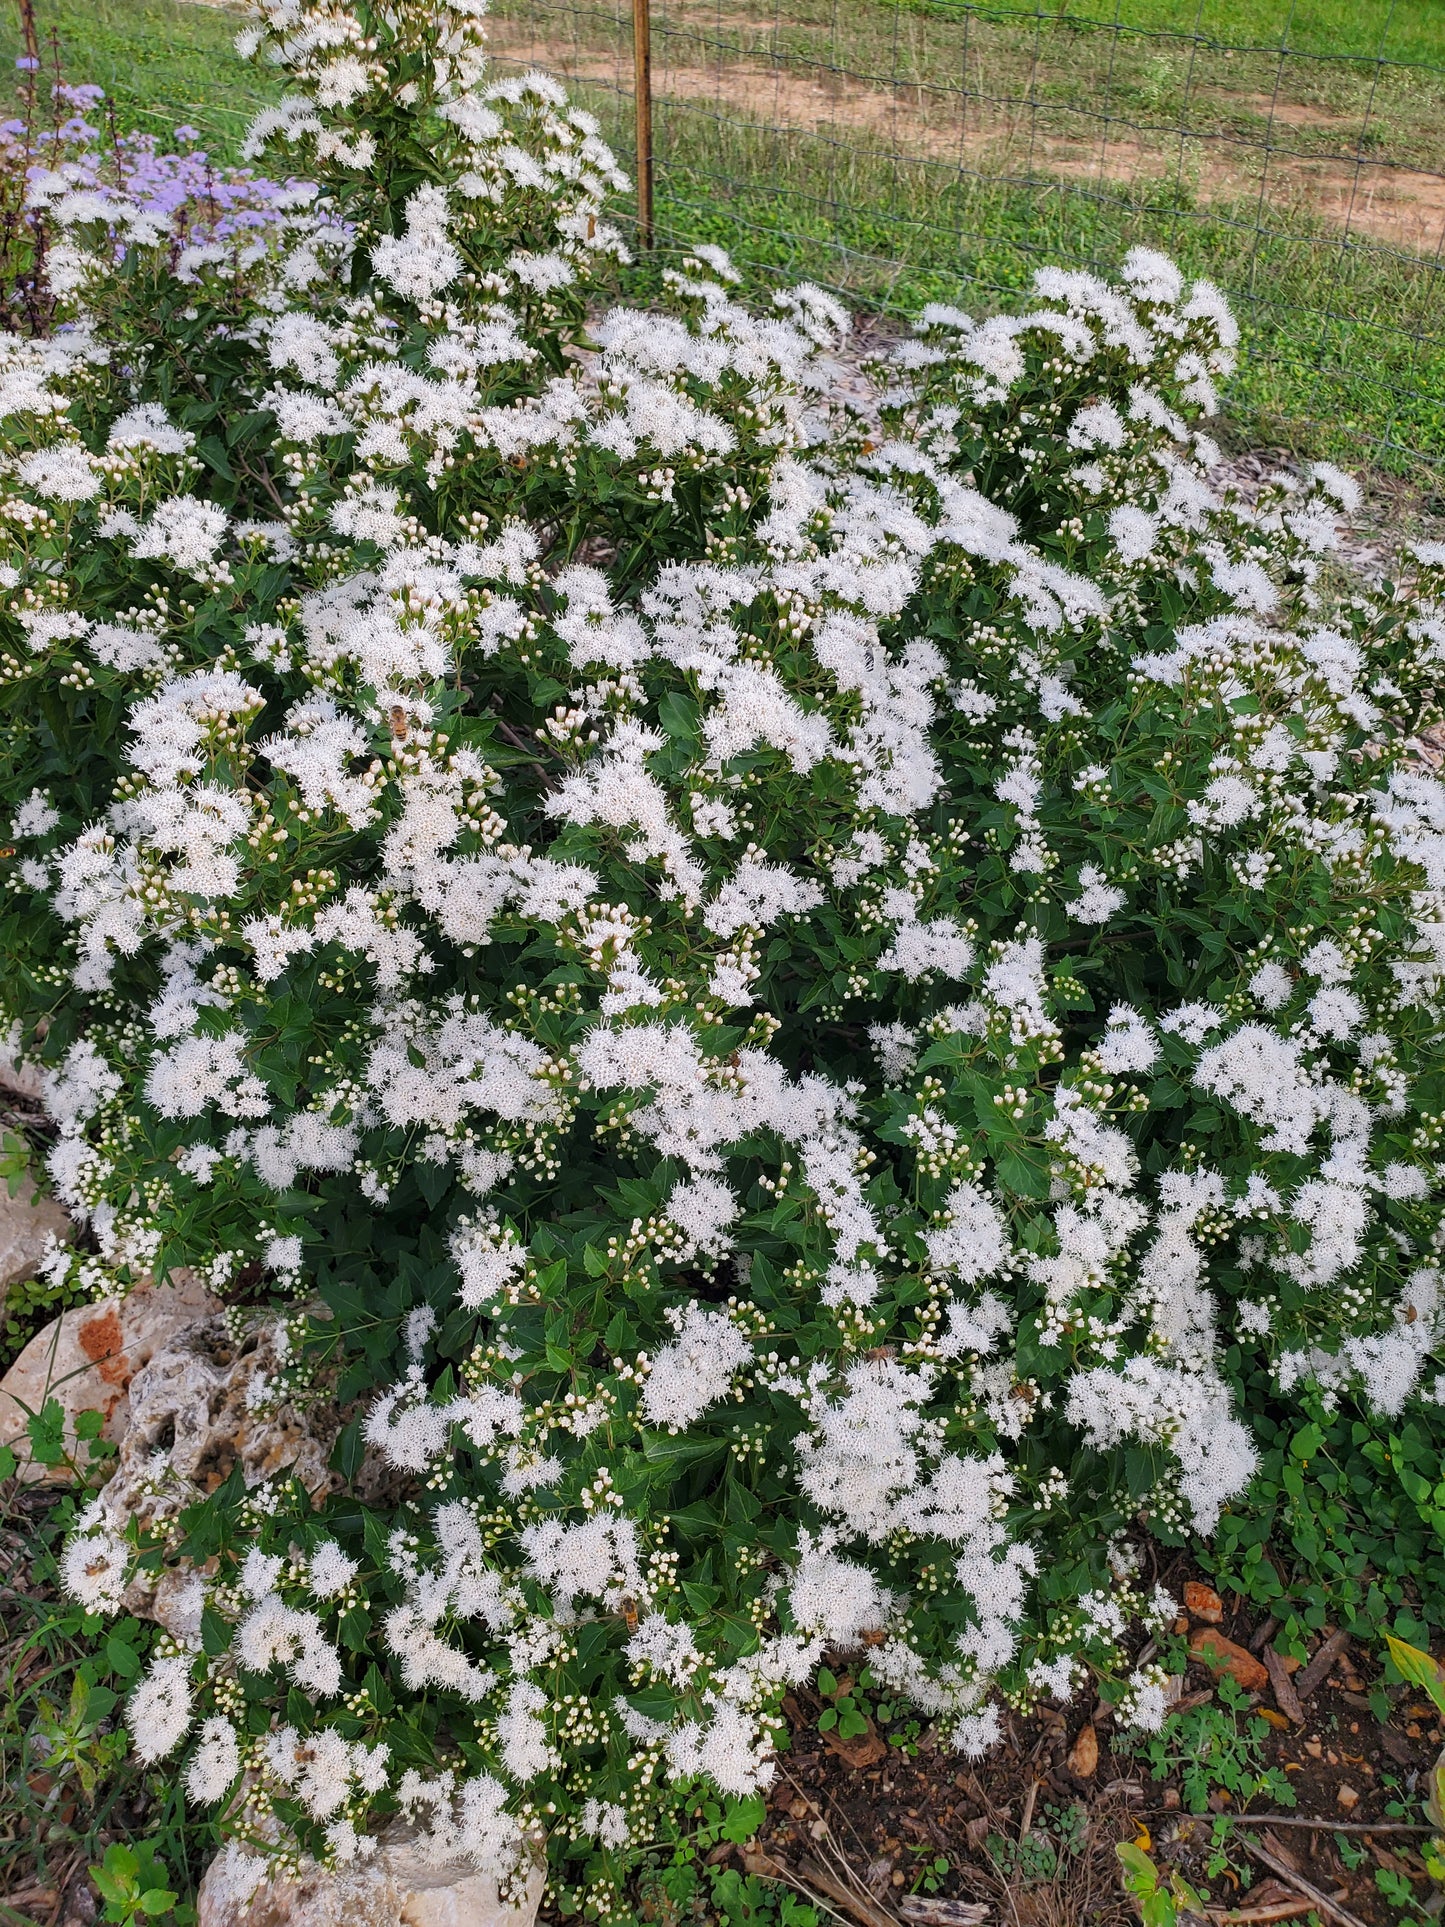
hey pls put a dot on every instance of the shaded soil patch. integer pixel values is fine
(1030, 1830)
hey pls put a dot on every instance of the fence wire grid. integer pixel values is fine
(901, 151)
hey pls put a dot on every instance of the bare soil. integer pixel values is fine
(1348, 185)
(861, 1818)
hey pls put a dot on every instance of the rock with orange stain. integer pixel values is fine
(1203, 1602)
(1221, 1655)
(87, 1358)
(213, 1401)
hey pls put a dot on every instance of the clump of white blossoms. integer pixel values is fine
(812, 994)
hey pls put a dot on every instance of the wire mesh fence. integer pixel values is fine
(902, 151)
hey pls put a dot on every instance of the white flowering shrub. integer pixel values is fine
(811, 993)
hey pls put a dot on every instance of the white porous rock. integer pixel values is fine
(19, 1079)
(29, 1220)
(214, 1398)
(395, 1887)
(88, 1358)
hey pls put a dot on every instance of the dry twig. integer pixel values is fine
(1287, 1874)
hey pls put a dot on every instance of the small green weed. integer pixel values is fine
(1159, 1901)
(75, 1801)
(928, 1878)
(677, 1883)
(850, 1707)
(1418, 1667)
(1217, 1747)
(132, 1883)
(1345, 1524)
(845, 1713)
(1057, 1838)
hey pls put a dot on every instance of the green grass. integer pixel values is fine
(162, 64)
(69, 1788)
(1345, 333)
(1368, 29)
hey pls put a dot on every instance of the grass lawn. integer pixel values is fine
(1366, 29)
(907, 150)
(1409, 30)
(162, 63)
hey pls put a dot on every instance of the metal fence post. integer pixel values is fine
(642, 95)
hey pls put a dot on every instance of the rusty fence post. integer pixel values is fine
(642, 99)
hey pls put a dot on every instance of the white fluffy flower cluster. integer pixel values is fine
(827, 952)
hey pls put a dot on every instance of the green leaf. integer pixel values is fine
(678, 716)
(674, 1453)
(46, 1431)
(1140, 1873)
(215, 1633)
(111, 1889)
(743, 1819)
(1417, 1667)
(122, 1657)
(212, 451)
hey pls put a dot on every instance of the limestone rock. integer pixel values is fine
(204, 1404)
(28, 1221)
(87, 1358)
(19, 1079)
(394, 1888)
(198, 1408)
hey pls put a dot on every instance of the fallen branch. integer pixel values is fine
(1028, 1816)
(925, 1911)
(1285, 1696)
(1309, 1677)
(1277, 1910)
(1330, 1826)
(1284, 1872)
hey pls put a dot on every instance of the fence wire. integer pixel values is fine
(900, 151)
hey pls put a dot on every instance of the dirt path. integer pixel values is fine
(1402, 206)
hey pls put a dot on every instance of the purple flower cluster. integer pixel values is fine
(204, 203)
